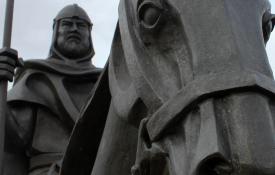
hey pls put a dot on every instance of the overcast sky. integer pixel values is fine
(32, 27)
(33, 19)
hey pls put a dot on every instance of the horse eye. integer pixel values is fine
(149, 14)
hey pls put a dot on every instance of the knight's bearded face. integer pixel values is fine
(73, 38)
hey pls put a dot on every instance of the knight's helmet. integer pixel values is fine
(70, 11)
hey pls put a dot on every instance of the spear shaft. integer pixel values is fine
(4, 83)
(8, 23)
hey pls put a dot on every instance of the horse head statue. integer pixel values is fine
(187, 90)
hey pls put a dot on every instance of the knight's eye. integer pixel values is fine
(149, 14)
(65, 23)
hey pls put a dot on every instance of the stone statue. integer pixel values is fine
(48, 95)
(189, 89)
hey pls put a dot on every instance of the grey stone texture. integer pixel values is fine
(190, 92)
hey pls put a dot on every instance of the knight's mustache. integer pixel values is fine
(74, 36)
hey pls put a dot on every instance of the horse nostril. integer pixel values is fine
(215, 165)
(223, 169)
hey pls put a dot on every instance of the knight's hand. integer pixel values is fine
(8, 62)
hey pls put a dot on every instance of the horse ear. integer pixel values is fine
(268, 24)
(273, 21)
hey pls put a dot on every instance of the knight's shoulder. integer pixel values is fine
(30, 66)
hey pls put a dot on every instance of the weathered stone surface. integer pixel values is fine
(196, 73)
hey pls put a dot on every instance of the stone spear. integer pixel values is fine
(4, 83)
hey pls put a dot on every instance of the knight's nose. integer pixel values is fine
(74, 27)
